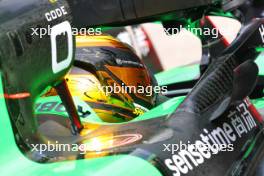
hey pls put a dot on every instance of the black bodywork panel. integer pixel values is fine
(120, 12)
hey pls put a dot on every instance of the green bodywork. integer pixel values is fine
(192, 72)
(178, 74)
(260, 63)
(164, 109)
(14, 162)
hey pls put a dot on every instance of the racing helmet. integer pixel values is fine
(111, 79)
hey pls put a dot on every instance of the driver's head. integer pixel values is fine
(110, 77)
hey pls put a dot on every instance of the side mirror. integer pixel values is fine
(245, 80)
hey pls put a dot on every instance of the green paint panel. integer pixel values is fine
(164, 109)
(260, 63)
(259, 103)
(178, 74)
(44, 101)
(13, 162)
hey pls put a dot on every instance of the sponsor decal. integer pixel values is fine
(55, 107)
(56, 13)
(122, 62)
(211, 141)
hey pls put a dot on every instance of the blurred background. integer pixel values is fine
(163, 52)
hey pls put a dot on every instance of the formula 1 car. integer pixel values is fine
(215, 113)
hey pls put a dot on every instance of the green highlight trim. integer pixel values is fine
(165, 109)
(259, 49)
(260, 62)
(251, 147)
(222, 14)
(178, 74)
